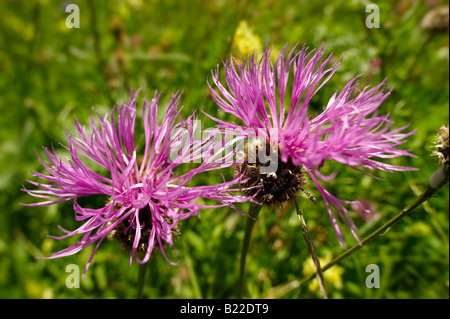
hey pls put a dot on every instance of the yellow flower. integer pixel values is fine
(245, 42)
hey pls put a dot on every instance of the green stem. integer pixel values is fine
(312, 251)
(381, 230)
(253, 212)
(141, 279)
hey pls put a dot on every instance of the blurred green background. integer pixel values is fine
(50, 73)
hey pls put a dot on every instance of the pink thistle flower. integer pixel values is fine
(146, 198)
(349, 130)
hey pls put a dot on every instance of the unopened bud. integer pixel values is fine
(437, 178)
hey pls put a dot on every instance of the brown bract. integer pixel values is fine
(277, 185)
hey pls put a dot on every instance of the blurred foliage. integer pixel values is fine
(50, 73)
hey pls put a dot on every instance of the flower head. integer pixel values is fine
(442, 151)
(244, 40)
(146, 198)
(349, 130)
(441, 175)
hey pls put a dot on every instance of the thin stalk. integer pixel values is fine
(310, 245)
(381, 230)
(253, 212)
(141, 279)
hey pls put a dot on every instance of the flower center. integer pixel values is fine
(125, 231)
(277, 185)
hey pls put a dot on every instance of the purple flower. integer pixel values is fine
(349, 130)
(146, 198)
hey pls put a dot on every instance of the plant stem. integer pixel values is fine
(250, 222)
(141, 279)
(381, 230)
(310, 245)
